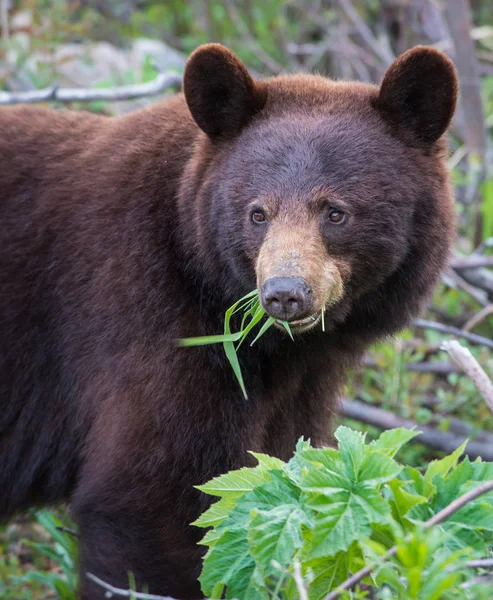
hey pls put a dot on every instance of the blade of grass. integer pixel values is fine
(257, 317)
(230, 351)
(270, 321)
(288, 329)
(209, 339)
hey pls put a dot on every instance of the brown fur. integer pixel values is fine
(121, 235)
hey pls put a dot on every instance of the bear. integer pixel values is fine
(121, 235)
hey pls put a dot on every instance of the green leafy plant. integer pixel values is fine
(62, 552)
(333, 512)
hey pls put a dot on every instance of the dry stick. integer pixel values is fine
(478, 318)
(441, 516)
(463, 358)
(114, 591)
(237, 20)
(365, 32)
(445, 441)
(298, 579)
(471, 261)
(124, 92)
(478, 294)
(4, 20)
(448, 329)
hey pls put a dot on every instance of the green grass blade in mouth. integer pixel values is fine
(209, 339)
(270, 321)
(288, 329)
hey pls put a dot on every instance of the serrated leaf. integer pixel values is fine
(377, 468)
(323, 481)
(443, 466)
(328, 574)
(338, 526)
(268, 462)
(402, 502)
(216, 513)
(351, 450)
(210, 538)
(235, 483)
(391, 441)
(228, 563)
(276, 535)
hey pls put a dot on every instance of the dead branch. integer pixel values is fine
(162, 82)
(445, 441)
(298, 579)
(365, 32)
(449, 330)
(465, 360)
(478, 318)
(114, 591)
(471, 262)
(441, 516)
(455, 280)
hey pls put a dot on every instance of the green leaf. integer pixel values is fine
(443, 466)
(328, 574)
(402, 502)
(276, 535)
(235, 483)
(337, 525)
(228, 563)
(325, 481)
(268, 462)
(351, 450)
(377, 468)
(391, 441)
(216, 513)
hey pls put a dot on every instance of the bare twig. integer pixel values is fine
(455, 280)
(478, 318)
(481, 563)
(471, 262)
(114, 591)
(458, 14)
(449, 330)
(465, 360)
(441, 516)
(236, 19)
(124, 92)
(298, 579)
(365, 32)
(68, 530)
(445, 441)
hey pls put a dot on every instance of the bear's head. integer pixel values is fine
(325, 195)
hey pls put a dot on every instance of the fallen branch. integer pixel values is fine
(441, 516)
(465, 360)
(114, 591)
(445, 441)
(471, 262)
(162, 82)
(455, 331)
(478, 318)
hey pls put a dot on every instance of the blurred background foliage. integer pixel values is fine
(107, 43)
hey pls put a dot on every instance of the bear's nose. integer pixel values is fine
(286, 298)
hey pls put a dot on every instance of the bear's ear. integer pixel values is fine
(219, 91)
(419, 93)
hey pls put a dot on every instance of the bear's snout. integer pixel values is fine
(286, 298)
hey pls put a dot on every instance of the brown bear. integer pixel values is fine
(121, 235)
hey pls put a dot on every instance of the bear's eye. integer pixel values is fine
(336, 216)
(258, 216)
